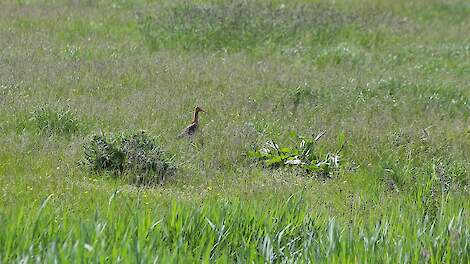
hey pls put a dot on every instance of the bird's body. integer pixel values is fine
(190, 130)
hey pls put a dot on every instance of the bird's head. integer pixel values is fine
(198, 109)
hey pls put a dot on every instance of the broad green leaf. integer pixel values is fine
(285, 150)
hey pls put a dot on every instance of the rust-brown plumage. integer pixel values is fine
(190, 130)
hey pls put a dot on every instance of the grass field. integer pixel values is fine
(390, 77)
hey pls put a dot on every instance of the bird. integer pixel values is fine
(191, 128)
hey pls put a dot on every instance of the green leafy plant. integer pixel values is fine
(137, 156)
(305, 154)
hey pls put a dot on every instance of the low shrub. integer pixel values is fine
(135, 156)
(304, 154)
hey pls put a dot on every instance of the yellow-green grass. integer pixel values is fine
(393, 76)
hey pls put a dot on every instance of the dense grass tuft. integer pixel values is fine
(52, 121)
(134, 156)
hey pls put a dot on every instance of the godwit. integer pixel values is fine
(191, 129)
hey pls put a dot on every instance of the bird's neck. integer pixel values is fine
(195, 116)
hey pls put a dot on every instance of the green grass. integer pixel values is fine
(121, 230)
(391, 76)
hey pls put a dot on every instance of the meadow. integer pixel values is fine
(389, 82)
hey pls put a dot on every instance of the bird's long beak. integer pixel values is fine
(202, 110)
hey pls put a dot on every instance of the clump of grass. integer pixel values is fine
(51, 121)
(103, 153)
(136, 157)
(238, 25)
(304, 154)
